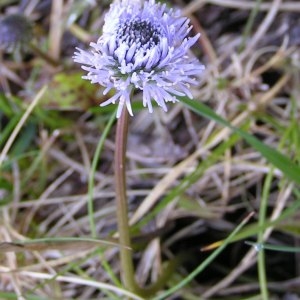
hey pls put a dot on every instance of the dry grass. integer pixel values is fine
(48, 141)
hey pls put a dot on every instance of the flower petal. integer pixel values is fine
(144, 46)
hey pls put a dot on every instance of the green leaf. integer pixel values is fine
(70, 92)
(260, 246)
(61, 243)
(280, 161)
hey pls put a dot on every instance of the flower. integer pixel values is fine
(144, 46)
(15, 32)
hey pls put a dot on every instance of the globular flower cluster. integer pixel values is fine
(16, 31)
(144, 46)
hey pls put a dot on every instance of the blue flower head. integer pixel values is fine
(144, 46)
(16, 31)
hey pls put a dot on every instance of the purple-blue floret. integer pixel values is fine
(144, 46)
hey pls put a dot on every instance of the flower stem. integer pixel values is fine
(127, 269)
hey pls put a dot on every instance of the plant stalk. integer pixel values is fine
(127, 268)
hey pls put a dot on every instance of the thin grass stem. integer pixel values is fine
(206, 262)
(22, 121)
(262, 219)
(92, 175)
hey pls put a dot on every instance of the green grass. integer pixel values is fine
(193, 173)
